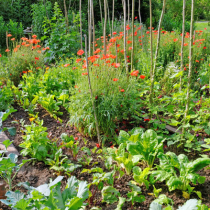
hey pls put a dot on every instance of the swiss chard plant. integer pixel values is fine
(146, 145)
(179, 172)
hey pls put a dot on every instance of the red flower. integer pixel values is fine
(142, 76)
(197, 61)
(115, 79)
(122, 90)
(114, 33)
(78, 60)
(85, 73)
(112, 146)
(34, 36)
(36, 58)
(145, 120)
(175, 40)
(7, 50)
(13, 39)
(127, 27)
(135, 73)
(135, 17)
(80, 52)
(204, 48)
(0, 55)
(9, 35)
(66, 65)
(98, 145)
(76, 138)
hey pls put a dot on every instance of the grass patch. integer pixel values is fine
(201, 26)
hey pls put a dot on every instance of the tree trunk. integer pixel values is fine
(66, 17)
(190, 69)
(128, 12)
(100, 12)
(108, 16)
(182, 45)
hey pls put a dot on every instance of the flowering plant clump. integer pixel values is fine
(25, 56)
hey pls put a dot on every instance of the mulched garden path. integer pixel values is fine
(39, 173)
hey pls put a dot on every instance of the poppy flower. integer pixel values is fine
(135, 17)
(112, 146)
(66, 65)
(142, 76)
(13, 39)
(38, 46)
(204, 48)
(85, 73)
(0, 55)
(36, 58)
(9, 35)
(197, 61)
(76, 138)
(145, 120)
(34, 36)
(7, 50)
(127, 27)
(98, 145)
(78, 60)
(135, 73)
(80, 52)
(114, 33)
(122, 90)
(115, 79)
(175, 40)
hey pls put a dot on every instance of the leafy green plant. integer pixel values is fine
(8, 165)
(141, 176)
(146, 145)
(110, 194)
(179, 172)
(135, 194)
(49, 196)
(36, 143)
(71, 144)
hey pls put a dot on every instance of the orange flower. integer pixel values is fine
(33, 47)
(80, 52)
(38, 46)
(114, 33)
(39, 51)
(15, 49)
(78, 60)
(122, 90)
(185, 44)
(142, 76)
(175, 40)
(7, 50)
(36, 58)
(85, 73)
(23, 43)
(13, 39)
(129, 42)
(9, 35)
(197, 61)
(66, 65)
(135, 73)
(27, 45)
(115, 79)
(34, 36)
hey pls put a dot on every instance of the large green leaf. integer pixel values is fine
(123, 137)
(198, 164)
(110, 194)
(83, 190)
(174, 183)
(120, 203)
(189, 205)
(74, 203)
(174, 161)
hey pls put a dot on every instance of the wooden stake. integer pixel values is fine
(91, 92)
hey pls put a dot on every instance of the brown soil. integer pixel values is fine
(39, 173)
